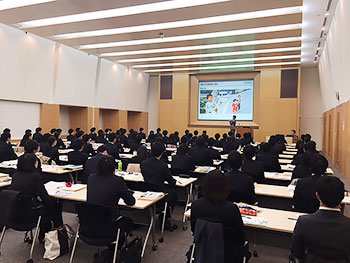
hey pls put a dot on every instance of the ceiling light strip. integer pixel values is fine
(10, 4)
(221, 54)
(189, 48)
(117, 12)
(183, 23)
(194, 36)
(216, 61)
(224, 67)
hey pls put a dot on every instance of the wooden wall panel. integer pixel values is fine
(110, 119)
(136, 120)
(49, 116)
(79, 118)
(123, 119)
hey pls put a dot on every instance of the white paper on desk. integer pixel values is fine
(204, 169)
(290, 165)
(74, 187)
(62, 193)
(254, 220)
(150, 195)
(288, 173)
(72, 166)
(52, 187)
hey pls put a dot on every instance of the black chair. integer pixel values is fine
(232, 251)
(237, 197)
(96, 227)
(161, 206)
(18, 213)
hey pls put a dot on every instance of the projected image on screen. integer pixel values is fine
(220, 100)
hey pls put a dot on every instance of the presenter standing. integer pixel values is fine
(233, 125)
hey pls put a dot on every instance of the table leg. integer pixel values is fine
(151, 228)
(189, 195)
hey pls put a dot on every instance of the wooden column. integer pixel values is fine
(49, 116)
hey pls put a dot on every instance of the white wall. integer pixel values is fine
(311, 105)
(19, 116)
(64, 119)
(38, 70)
(153, 103)
(334, 67)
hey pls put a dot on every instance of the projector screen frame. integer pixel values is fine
(194, 94)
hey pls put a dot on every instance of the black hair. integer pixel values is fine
(217, 136)
(265, 147)
(249, 152)
(79, 134)
(70, 131)
(235, 160)
(93, 129)
(183, 149)
(215, 187)
(38, 130)
(26, 163)
(31, 146)
(330, 190)
(318, 164)
(112, 137)
(6, 130)
(306, 159)
(307, 137)
(195, 133)
(234, 116)
(86, 137)
(211, 142)
(51, 140)
(53, 131)
(142, 152)
(157, 149)
(106, 165)
(310, 146)
(101, 149)
(5, 136)
(200, 142)
(209, 95)
(141, 129)
(28, 131)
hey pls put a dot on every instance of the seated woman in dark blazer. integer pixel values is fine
(51, 151)
(28, 181)
(214, 207)
(182, 162)
(142, 154)
(26, 137)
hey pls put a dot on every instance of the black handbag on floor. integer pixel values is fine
(131, 253)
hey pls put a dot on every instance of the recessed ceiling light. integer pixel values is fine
(188, 48)
(323, 28)
(194, 37)
(210, 55)
(10, 4)
(216, 61)
(224, 67)
(326, 14)
(183, 23)
(117, 12)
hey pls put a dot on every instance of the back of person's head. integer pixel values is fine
(249, 152)
(238, 135)
(106, 165)
(141, 129)
(31, 146)
(330, 190)
(157, 149)
(112, 137)
(28, 131)
(158, 130)
(100, 132)
(52, 131)
(204, 132)
(184, 140)
(138, 138)
(211, 142)
(187, 132)
(59, 130)
(26, 163)
(38, 129)
(46, 136)
(183, 149)
(195, 133)
(318, 164)
(77, 129)
(77, 144)
(79, 134)
(217, 136)
(70, 131)
(5, 136)
(272, 140)
(165, 133)
(310, 146)
(302, 137)
(307, 137)
(229, 133)
(235, 160)
(215, 187)
(26, 136)
(86, 137)
(8, 130)
(142, 152)
(93, 129)
(224, 136)
(101, 149)
(176, 133)
(265, 147)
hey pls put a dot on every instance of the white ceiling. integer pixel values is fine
(263, 45)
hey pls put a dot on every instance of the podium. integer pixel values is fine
(243, 127)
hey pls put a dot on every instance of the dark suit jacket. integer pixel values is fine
(298, 159)
(269, 161)
(37, 137)
(6, 152)
(112, 150)
(77, 157)
(106, 190)
(93, 136)
(60, 144)
(156, 172)
(241, 186)
(278, 148)
(70, 138)
(226, 213)
(91, 166)
(230, 146)
(52, 152)
(201, 156)
(215, 155)
(324, 234)
(31, 184)
(182, 163)
(304, 198)
(100, 139)
(255, 170)
(301, 171)
(88, 149)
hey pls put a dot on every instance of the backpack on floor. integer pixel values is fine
(131, 253)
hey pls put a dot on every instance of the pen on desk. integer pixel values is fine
(178, 182)
(290, 218)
